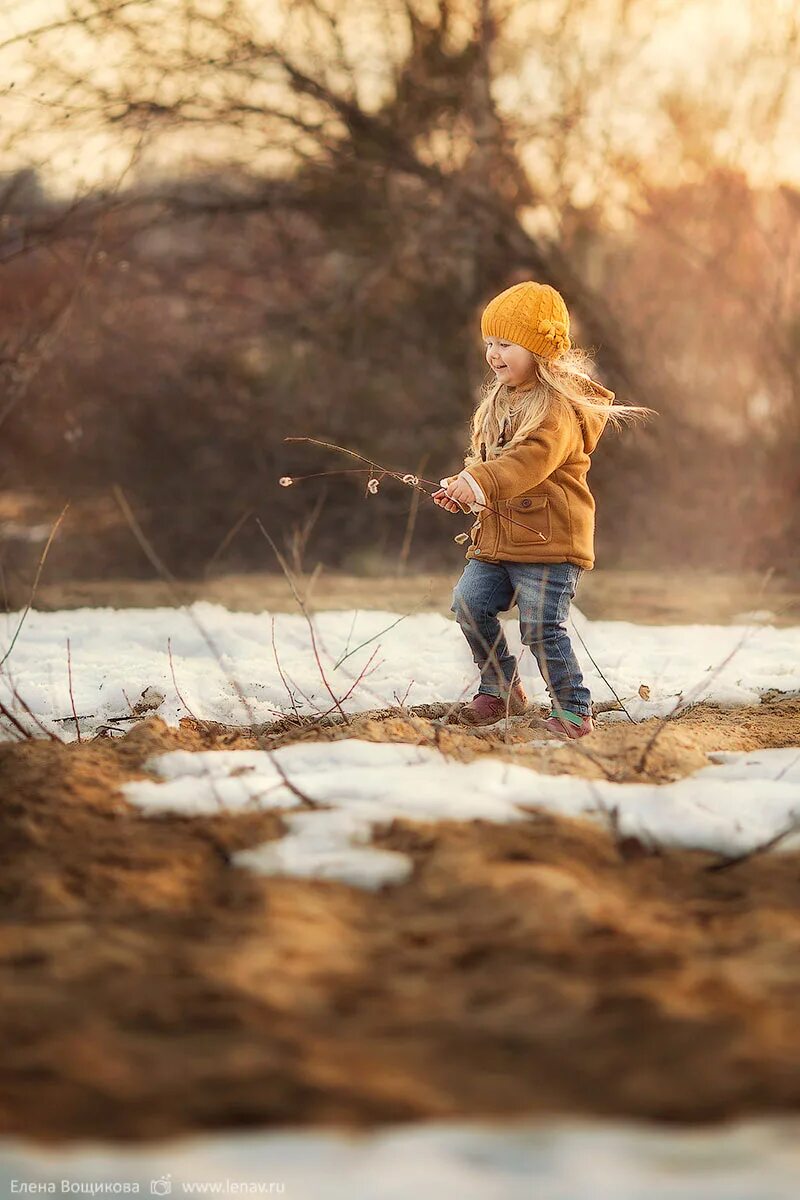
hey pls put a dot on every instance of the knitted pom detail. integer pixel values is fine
(555, 332)
(550, 328)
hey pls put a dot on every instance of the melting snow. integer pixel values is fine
(226, 670)
(729, 807)
(518, 1160)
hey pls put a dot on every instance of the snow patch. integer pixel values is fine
(731, 807)
(225, 668)
(474, 1160)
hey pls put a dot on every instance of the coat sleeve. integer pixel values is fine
(527, 465)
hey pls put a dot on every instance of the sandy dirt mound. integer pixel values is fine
(152, 989)
(655, 750)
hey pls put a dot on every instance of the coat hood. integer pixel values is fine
(593, 423)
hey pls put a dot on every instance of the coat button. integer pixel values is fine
(476, 551)
(526, 503)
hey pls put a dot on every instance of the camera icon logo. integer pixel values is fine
(162, 1186)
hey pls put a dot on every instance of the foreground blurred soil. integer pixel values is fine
(671, 597)
(151, 989)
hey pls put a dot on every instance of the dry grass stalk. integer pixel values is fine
(72, 694)
(39, 569)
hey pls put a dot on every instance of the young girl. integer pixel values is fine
(539, 419)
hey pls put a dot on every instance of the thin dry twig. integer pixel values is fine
(317, 643)
(404, 477)
(228, 538)
(682, 701)
(71, 693)
(302, 605)
(175, 682)
(27, 709)
(289, 693)
(144, 543)
(405, 549)
(596, 666)
(209, 641)
(784, 770)
(762, 848)
(39, 569)
(19, 729)
(380, 633)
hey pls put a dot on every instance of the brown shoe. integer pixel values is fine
(564, 728)
(488, 710)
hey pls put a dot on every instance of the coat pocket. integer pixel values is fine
(529, 520)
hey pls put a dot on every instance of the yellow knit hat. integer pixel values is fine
(532, 315)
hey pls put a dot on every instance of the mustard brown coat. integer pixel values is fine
(544, 511)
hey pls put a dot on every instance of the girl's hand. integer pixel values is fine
(451, 492)
(459, 490)
(443, 500)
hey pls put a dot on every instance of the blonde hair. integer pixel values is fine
(562, 383)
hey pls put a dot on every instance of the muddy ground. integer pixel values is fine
(150, 988)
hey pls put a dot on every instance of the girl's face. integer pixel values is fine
(512, 364)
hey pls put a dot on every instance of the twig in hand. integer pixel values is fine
(72, 694)
(370, 463)
(413, 481)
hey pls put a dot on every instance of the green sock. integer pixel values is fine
(564, 715)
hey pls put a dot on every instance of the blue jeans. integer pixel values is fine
(543, 592)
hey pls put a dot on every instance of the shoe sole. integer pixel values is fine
(562, 737)
(488, 724)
